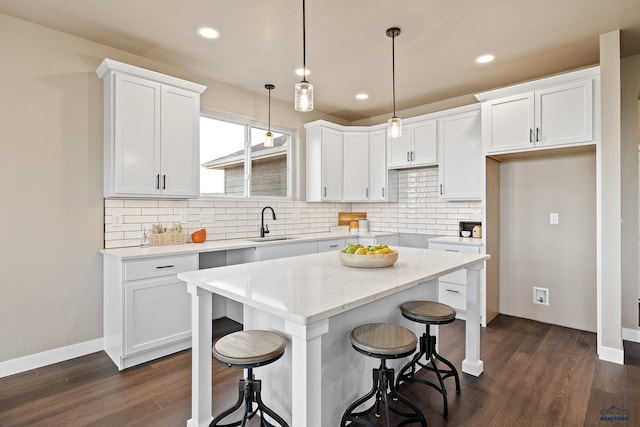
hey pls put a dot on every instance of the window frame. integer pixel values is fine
(249, 123)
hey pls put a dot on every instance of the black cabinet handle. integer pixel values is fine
(164, 182)
(537, 134)
(453, 291)
(530, 135)
(165, 266)
(382, 191)
(158, 182)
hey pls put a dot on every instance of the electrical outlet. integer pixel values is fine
(116, 219)
(183, 217)
(553, 218)
(540, 296)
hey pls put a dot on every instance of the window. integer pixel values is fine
(235, 163)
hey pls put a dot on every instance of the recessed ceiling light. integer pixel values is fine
(299, 72)
(483, 59)
(362, 96)
(208, 33)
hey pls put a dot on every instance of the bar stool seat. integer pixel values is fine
(383, 341)
(429, 313)
(249, 349)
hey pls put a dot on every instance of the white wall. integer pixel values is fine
(533, 252)
(52, 209)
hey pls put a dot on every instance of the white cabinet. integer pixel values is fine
(147, 310)
(548, 113)
(356, 166)
(366, 177)
(460, 148)
(324, 164)
(151, 133)
(285, 250)
(331, 245)
(383, 183)
(452, 288)
(416, 147)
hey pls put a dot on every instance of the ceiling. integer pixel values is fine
(347, 48)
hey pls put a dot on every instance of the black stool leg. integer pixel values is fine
(249, 391)
(383, 380)
(428, 349)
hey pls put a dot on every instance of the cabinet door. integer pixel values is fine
(136, 135)
(158, 312)
(425, 143)
(356, 166)
(331, 165)
(378, 166)
(400, 150)
(460, 165)
(180, 171)
(564, 114)
(331, 245)
(511, 122)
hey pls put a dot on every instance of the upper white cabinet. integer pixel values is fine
(151, 133)
(460, 149)
(324, 164)
(556, 111)
(383, 183)
(356, 166)
(418, 146)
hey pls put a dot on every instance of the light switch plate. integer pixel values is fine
(553, 218)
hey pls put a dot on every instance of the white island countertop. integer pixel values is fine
(314, 301)
(308, 288)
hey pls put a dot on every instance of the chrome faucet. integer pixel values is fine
(265, 229)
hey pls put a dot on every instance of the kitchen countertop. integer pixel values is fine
(136, 252)
(472, 241)
(329, 286)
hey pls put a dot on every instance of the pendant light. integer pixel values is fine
(304, 89)
(268, 139)
(394, 125)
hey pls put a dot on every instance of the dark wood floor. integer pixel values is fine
(535, 375)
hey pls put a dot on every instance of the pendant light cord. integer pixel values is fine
(304, 44)
(269, 111)
(393, 71)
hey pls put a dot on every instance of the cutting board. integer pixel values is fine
(344, 218)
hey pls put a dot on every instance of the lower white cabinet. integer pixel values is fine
(452, 287)
(285, 250)
(147, 310)
(331, 245)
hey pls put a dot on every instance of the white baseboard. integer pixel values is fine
(611, 354)
(631, 334)
(49, 357)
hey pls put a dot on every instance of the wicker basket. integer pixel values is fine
(164, 239)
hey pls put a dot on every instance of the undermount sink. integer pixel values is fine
(270, 238)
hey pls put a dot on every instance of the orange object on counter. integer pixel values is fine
(199, 236)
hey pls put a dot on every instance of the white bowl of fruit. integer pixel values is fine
(368, 256)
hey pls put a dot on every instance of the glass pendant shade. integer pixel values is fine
(394, 127)
(268, 140)
(304, 96)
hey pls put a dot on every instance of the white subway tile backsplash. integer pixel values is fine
(419, 210)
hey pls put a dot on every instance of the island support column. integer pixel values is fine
(472, 364)
(306, 372)
(201, 316)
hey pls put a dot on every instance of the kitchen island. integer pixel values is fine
(314, 302)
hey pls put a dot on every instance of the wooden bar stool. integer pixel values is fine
(429, 313)
(383, 341)
(247, 350)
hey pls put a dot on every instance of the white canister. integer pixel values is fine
(363, 225)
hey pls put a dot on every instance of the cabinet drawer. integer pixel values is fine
(453, 247)
(331, 245)
(160, 266)
(453, 295)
